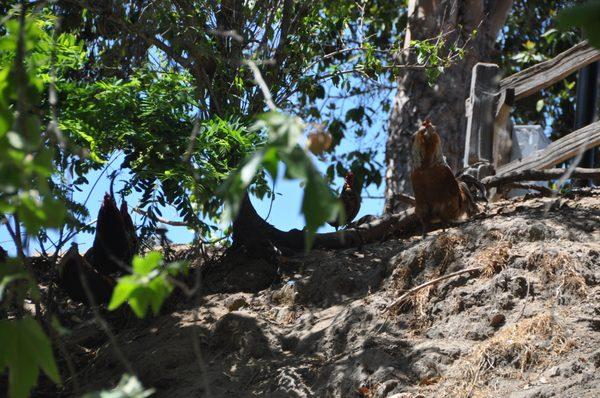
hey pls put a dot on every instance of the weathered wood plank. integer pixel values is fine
(557, 152)
(544, 74)
(503, 126)
(480, 114)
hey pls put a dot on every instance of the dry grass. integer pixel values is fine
(420, 300)
(494, 258)
(560, 267)
(287, 295)
(438, 254)
(510, 353)
(444, 248)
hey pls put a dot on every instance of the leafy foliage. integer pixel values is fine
(25, 160)
(154, 114)
(147, 286)
(166, 84)
(312, 45)
(12, 272)
(585, 16)
(531, 35)
(25, 170)
(318, 204)
(25, 349)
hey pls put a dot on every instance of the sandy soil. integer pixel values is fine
(526, 324)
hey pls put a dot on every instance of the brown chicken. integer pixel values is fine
(439, 195)
(351, 201)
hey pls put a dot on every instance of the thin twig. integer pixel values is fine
(531, 187)
(161, 219)
(195, 336)
(17, 240)
(69, 361)
(407, 199)
(422, 286)
(111, 161)
(272, 200)
(588, 319)
(525, 303)
(432, 282)
(104, 325)
(261, 84)
(191, 141)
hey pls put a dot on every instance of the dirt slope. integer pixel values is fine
(526, 325)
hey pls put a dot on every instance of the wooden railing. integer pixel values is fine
(491, 101)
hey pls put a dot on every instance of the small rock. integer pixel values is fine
(497, 320)
(235, 303)
(386, 387)
(595, 357)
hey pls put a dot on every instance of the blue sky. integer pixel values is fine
(285, 212)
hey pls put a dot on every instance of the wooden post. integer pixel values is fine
(480, 117)
(503, 127)
(586, 108)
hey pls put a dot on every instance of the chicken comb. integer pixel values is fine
(427, 122)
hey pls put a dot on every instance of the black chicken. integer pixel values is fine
(129, 227)
(115, 241)
(351, 201)
(72, 268)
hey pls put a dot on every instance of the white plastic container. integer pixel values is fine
(526, 140)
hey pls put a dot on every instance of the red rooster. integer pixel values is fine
(351, 201)
(439, 195)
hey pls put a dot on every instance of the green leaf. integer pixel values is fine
(24, 349)
(270, 162)
(296, 163)
(125, 287)
(139, 300)
(128, 387)
(148, 286)
(539, 105)
(585, 16)
(11, 271)
(15, 140)
(148, 263)
(355, 114)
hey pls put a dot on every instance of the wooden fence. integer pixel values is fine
(488, 115)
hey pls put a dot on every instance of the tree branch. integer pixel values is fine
(432, 282)
(538, 175)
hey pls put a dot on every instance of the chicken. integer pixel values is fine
(115, 241)
(351, 201)
(129, 227)
(72, 268)
(439, 196)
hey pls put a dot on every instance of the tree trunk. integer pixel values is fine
(443, 103)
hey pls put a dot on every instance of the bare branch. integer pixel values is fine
(432, 282)
(262, 84)
(538, 175)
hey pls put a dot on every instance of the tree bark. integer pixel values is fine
(258, 236)
(444, 102)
